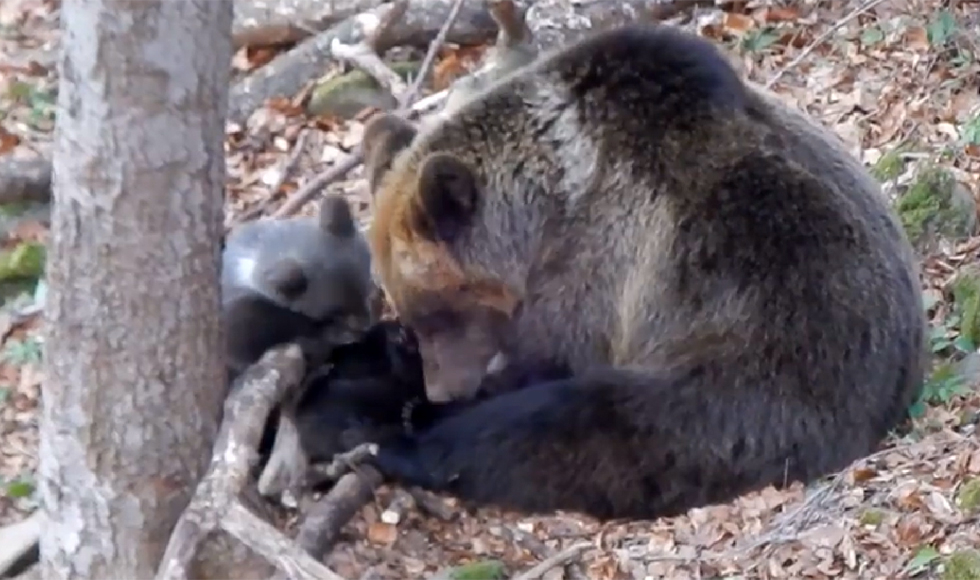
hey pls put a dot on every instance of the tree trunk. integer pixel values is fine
(134, 346)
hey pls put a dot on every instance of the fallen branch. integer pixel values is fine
(307, 192)
(25, 180)
(820, 40)
(541, 551)
(265, 540)
(430, 504)
(365, 55)
(216, 504)
(430, 57)
(562, 558)
(323, 522)
(286, 74)
(312, 187)
(288, 167)
(277, 22)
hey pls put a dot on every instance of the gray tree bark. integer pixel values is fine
(134, 347)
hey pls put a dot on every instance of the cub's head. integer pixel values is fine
(318, 267)
(426, 253)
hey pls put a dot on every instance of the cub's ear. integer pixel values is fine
(335, 216)
(385, 136)
(448, 196)
(285, 276)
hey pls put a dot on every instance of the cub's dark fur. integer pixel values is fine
(735, 300)
(285, 280)
(373, 390)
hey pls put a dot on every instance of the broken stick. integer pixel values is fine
(216, 504)
(560, 559)
(323, 522)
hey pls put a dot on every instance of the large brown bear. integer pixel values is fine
(735, 301)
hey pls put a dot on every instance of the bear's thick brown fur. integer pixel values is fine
(734, 299)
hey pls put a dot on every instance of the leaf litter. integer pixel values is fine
(898, 73)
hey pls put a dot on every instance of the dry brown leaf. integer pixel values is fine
(382, 533)
(8, 141)
(738, 24)
(285, 107)
(862, 474)
(779, 14)
(455, 63)
(916, 38)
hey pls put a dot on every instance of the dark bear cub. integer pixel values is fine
(373, 390)
(289, 280)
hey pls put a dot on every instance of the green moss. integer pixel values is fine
(872, 518)
(14, 208)
(348, 94)
(966, 294)
(929, 206)
(26, 260)
(969, 496)
(889, 166)
(962, 565)
(480, 570)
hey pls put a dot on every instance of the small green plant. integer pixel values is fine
(970, 131)
(935, 206)
(479, 570)
(19, 488)
(760, 39)
(950, 342)
(25, 261)
(21, 352)
(872, 35)
(941, 28)
(41, 102)
(922, 561)
(890, 165)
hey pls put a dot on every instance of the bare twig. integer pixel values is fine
(821, 39)
(313, 187)
(431, 504)
(541, 551)
(338, 171)
(287, 168)
(381, 37)
(400, 503)
(343, 463)
(409, 96)
(363, 57)
(269, 543)
(323, 522)
(560, 559)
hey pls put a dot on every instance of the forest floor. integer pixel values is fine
(899, 82)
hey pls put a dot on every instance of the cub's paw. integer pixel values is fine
(407, 461)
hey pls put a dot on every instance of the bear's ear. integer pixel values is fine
(385, 136)
(448, 196)
(335, 216)
(287, 277)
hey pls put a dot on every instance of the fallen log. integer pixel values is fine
(286, 74)
(260, 23)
